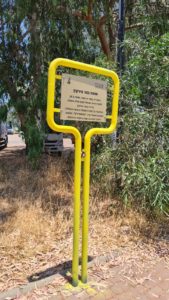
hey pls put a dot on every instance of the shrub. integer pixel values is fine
(138, 168)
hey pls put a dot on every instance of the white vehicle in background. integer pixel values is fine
(3, 135)
(54, 143)
(10, 129)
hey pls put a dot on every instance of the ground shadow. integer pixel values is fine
(11, 152)
(5, 215)
(59, 269)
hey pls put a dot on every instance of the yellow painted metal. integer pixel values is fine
(51, 109)
(56, 110)
(77, 165)
(58, 77)
(86, 171)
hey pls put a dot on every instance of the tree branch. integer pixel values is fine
(102, 21)
(84, 17)
(103, 40)
(98, 25)
(90, 7)
(138, 25)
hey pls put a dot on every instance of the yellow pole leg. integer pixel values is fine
(86, 184)
(76, 217)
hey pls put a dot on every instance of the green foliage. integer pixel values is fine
(142, 162)
(147, 181)
(137, 168)
(3, 113)
(145, 82)
(34, 137)
(32, 34)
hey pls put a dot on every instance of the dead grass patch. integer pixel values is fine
(36, 219)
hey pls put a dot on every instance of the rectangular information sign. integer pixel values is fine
(83, 99)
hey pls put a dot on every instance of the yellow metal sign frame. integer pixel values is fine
(51, 110)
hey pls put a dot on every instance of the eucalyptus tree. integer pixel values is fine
(100, 17)
(32, 33)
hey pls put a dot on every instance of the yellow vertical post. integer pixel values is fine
(76, 209)
(85, 207)
(77, 163)
(86, 172)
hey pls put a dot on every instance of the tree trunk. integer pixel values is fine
(103, 41)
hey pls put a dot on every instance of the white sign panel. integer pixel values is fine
(83, 99)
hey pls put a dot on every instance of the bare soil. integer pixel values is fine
(36, 224)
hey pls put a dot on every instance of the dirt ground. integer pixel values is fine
(36, 237)
(15, 144)
(139, 271)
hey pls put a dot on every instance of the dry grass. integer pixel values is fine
(36, 219)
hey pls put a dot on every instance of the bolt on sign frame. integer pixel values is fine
(79, 158)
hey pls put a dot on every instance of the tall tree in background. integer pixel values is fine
(32, 33)
(102, 17)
